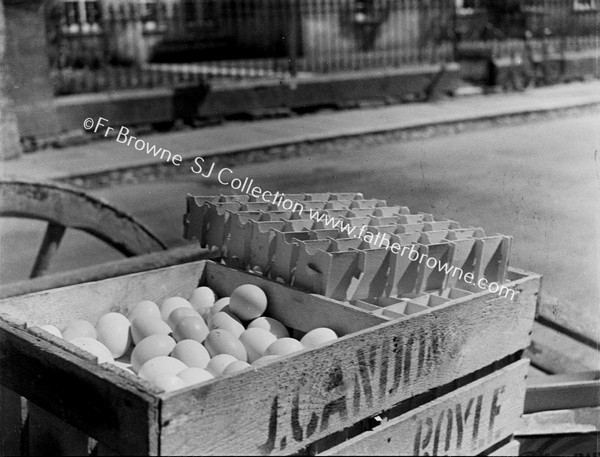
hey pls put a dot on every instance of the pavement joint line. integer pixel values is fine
(152, 168)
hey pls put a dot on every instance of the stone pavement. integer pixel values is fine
(233, 137)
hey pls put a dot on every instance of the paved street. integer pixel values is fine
(538, 182)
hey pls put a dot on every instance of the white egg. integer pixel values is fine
(202, 299)
(218, 363)
(161, 365)
(234, 367)
(225, 321)
(94, 347)
(172, 303)
(264, 360)
(284, 346)
(52, 329)
(271, 325)
(113, 332)
(169, 382)
(192, 353)
(248, 302)
(318, 337)
(79, 328)
(256, 341)
(143, 308)
(220, 305)
(195, 375)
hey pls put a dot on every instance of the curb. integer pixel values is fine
(320, 144)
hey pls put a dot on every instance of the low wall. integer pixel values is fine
(158, 106)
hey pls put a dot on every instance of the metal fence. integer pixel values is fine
(538, 27)
(98, 45)
(113, 44)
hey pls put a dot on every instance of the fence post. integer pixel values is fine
(9, 133)
(26, 65)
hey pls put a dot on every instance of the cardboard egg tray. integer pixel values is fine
(370, 273)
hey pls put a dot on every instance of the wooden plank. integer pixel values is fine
(568, 432)
(563, 421)
(10, 422)
(555, 352)
(302, 398)
(104, 405)
(579, 390)
(509, 450)
(464, 422)
(92, 300)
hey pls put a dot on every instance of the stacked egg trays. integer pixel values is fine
(354, 267)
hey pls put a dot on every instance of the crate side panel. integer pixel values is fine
(465, 422)
(77, 391)
(295, 308)
(93, 299)
(299, 399)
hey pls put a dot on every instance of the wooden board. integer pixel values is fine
(278, 409)
(464, 422)
(567, 432)
(556, 392)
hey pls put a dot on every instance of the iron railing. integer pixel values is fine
(98, 45)
(101, 45)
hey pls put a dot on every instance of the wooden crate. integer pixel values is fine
(285, 407)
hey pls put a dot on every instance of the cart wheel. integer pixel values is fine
(65, 207)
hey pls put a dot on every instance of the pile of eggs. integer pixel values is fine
(186, 342)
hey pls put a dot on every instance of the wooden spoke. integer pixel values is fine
(50, 243)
